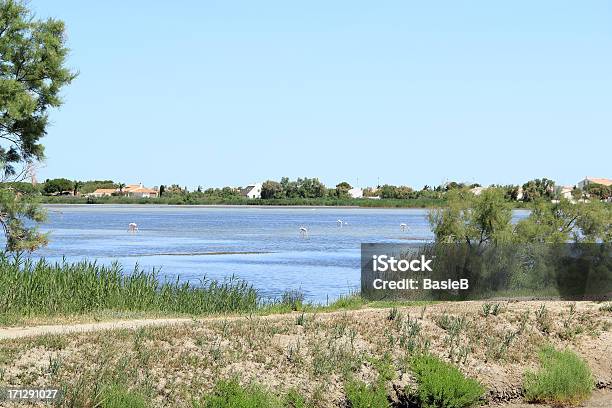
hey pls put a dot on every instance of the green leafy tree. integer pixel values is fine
(538, 188)
(565, 222)
(342, 190)
(598, 191)
(271, 189)
(76, 187)
(32, 75)
(474, 220)
(57, 185)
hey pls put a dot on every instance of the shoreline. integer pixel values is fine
(264, 206)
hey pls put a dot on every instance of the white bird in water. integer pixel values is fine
(339, 222)
(303, 232)
(132, 227)
(403, 226)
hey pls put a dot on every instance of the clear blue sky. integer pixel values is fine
(219, 93)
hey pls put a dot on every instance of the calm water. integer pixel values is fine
(274, 257)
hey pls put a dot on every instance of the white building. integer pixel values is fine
(356, 192)
(477, 190)
(252, 191)
(566, 192)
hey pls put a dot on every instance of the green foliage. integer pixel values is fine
(32, 74)
(393, 192)
(563, 222)
(486, 219)
(538, 189)
(271, 189)
(471, 219)
(230, 394)
(564, 378)
(57, 185)
(120, 397)
(342, 190)
(303, 188)
(442, 385)
(294, 399)
(90, 186)
(599, 191)
(362, 395)
(42, 288)
(15, 209)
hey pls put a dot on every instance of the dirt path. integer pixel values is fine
(19, 332)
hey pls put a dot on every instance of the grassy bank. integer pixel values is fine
(54, 292)
(442, 355)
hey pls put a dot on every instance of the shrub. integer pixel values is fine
(564, 378)
(230, 394)
(120, 397)
(294, 399)
(294, 299)
(441, 385)
(362, 395)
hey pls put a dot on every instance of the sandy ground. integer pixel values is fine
(180, 358)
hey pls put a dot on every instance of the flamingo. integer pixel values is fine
(403, 226)
(303, 232)
(132, 227)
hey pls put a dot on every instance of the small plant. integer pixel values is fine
(564, 378)
(606, 308)
(384, 368)
(300, 320)
(452, 324)
(293, 399)
(523, 322)
(491, 309)
(54, 366)
(498, 347)
(486, 309)
(119, 397)
(230, 394)
(394, 314)
(542, 320)
(362, 395)
(442, 385)
(294, 299)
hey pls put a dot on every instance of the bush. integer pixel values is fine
(441, 385)
(230, 394)
(120, 397)
(564, 378)
(361, 395)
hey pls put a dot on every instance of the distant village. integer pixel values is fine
(586, 189)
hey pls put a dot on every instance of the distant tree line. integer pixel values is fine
(311, 188)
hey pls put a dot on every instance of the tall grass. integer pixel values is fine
(563, 379)
(43, 288)
(441, 384)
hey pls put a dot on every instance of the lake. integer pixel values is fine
(261, 245)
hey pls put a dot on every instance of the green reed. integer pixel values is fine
(38, 287)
